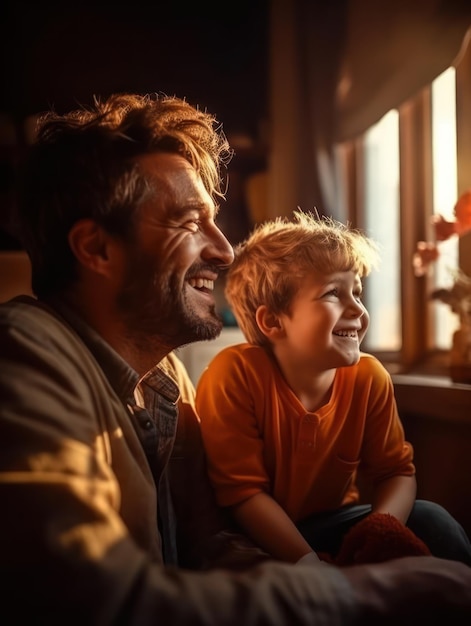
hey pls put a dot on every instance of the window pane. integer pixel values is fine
(382, 223)
(444, 196)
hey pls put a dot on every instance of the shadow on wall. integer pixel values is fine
(15, 274)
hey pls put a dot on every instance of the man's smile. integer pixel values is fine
(200, 283)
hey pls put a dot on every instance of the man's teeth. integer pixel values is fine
(199, 283)
(346, 333)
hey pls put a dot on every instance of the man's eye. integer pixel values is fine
(194, 225)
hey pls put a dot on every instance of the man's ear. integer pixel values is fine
(269, 323)
(91, 244)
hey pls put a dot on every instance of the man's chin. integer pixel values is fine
(204, 326)
(205, 331)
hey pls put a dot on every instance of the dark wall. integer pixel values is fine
(60, 54)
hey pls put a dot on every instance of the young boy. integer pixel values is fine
(289, 418)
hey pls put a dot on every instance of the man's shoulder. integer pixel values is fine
(25, 320)
(23, 305)
(29, 313)
(37, 344)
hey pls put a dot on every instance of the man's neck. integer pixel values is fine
(141, 353)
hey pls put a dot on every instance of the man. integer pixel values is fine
(106, 513)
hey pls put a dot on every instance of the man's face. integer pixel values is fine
(172, 261)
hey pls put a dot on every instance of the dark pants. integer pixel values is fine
(443, 535)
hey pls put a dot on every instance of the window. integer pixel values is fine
(381, 221)
(406, 168)
(445, 193)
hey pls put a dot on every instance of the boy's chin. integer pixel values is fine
(351, 359)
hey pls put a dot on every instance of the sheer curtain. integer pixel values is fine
(336, 68)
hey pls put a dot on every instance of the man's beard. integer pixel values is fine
(155, 309)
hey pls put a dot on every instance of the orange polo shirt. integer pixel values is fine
(259, 438)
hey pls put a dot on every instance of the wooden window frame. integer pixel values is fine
(417, 354)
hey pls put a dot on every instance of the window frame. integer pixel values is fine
(416, 354)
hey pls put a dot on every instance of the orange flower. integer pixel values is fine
(462, 211)
(458, 296)
(426, 253)
(443, 229)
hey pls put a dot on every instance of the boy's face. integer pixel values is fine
(327, 321)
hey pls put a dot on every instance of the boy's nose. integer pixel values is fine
(357, 308)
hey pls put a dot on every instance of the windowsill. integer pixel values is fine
(427, 390)
(432, 396)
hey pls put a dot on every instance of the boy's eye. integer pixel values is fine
(332, 292)
(336, 294)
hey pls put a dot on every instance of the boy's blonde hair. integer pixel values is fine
(270, 264)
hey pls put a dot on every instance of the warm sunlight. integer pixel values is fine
(382, 223)
(444, 195)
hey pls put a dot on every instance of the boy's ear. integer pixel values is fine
(269, 323)
(91, 246)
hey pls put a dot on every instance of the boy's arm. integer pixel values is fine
(271, 528)
(396, 496)
(387, 458)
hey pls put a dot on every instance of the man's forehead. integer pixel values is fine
(177, 182)
(157, 163)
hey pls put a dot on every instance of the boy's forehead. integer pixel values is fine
(337, 276)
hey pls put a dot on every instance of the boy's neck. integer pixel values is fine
(313, 389)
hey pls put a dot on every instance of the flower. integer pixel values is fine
(425, 254)
(443, 229)
(458, 296)
(463, 214)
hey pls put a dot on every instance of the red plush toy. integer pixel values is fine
(377, 538)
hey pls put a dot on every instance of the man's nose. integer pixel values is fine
(218, 249)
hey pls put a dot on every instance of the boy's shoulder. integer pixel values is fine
(243, 350)
(241, 356)
(370, 366)
(367, 378)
